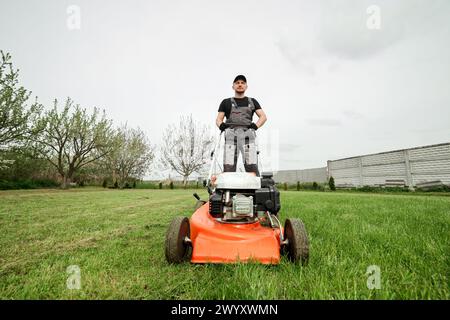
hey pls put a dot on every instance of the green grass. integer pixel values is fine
(116, 237)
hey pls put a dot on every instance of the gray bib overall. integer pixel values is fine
(239, 138)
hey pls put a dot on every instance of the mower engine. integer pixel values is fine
(243, 197)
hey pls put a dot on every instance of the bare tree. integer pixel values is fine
(71, 138)
(185, 147)
(131, 157)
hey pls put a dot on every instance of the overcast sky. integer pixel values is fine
(331, 86)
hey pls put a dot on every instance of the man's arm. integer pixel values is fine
(219, 118)
(262, 118)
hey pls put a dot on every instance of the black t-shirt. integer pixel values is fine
(225, 106)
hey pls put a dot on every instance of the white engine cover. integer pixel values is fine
(238, 180)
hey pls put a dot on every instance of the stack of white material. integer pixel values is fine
(238, 180)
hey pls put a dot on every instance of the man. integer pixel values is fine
(239, 127)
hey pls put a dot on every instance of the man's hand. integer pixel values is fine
(223, 126)
(253, 126)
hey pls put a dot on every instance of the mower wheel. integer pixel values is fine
(177, 250)
(297, 247)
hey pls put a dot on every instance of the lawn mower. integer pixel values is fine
(238, 223)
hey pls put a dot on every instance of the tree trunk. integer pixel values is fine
(67, 178)
(185, 181)
(66, 182)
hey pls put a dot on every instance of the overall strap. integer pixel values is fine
(250, 102)
(233, 103)
(252, 105)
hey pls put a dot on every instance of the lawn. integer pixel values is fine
(116, 238)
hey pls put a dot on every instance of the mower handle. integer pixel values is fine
(213, 154)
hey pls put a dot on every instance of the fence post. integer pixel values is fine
(360, 172)
(409, 180)
(328, 169)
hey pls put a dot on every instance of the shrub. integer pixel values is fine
(331, 184)
(160, 185)
(27, 184)
(395, 189)
(116, 185)
(299, 186)
(105, 183)
(312, 186)
(443, 188)
(171, 185)
(368, 189)
(146, 185)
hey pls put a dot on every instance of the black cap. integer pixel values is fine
(240, 77)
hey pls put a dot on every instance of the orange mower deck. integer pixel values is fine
(217, 242)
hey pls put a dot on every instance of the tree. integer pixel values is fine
(16, 117)
(131, 156)
(331, 184)
(185, 147)
(72, 138)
